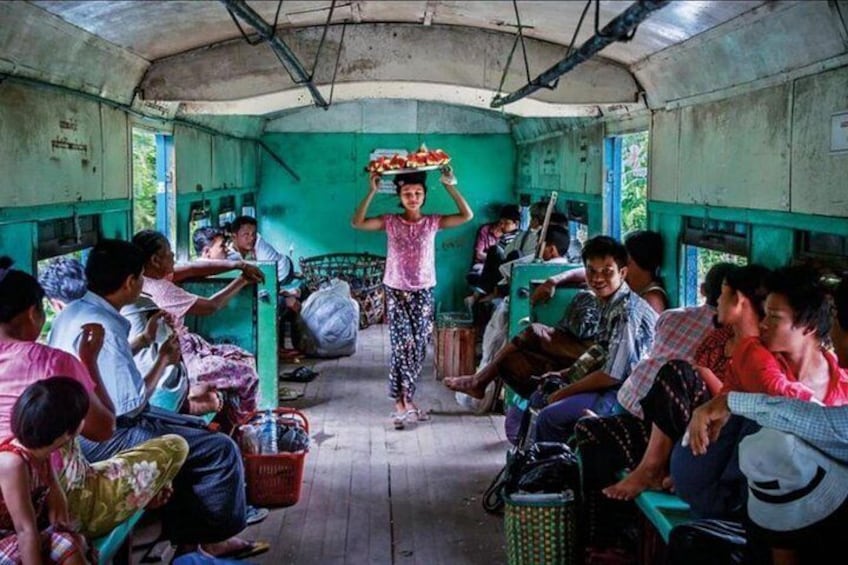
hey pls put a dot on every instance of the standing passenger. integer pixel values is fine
(410, 277)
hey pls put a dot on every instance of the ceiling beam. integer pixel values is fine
(286, 55)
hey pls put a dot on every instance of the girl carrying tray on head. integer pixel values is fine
(409, 278)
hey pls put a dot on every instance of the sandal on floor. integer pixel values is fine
(418, 414)
(399, 420)
(285, 393)
(300, 375)
(250, 550)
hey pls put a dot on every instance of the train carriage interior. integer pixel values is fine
(720, 125)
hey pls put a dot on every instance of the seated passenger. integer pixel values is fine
(626, 333)
(47, 416)
(497, 254)
(789, 361)
(612, 443)
(487, 236)
(224, 366)
(210, 486)
(644, 259)
(99, 497)
(63, 281)
(813, 533)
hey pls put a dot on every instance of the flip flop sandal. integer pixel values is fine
(399, 420)
(300, 375)
(285, 393)
(252, 549)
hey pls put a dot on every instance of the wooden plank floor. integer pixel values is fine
(372, 494)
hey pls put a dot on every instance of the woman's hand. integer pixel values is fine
(152, 326)
(448, 178)
(374, 183)
(91, 343)
(170, 350)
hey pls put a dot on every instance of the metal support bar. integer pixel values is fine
(279, 160)
(269, 34)
(622, 26)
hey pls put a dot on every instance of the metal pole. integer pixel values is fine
(269, 34)
(620, 27)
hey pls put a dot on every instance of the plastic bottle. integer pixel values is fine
(268, 434)
(250, 444)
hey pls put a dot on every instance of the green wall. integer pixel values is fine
(313, 215)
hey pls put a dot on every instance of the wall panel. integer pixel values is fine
(736, 152)
(192, 159)
(819, 177)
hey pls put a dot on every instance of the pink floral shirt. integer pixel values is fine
(172, 299)
(411, 257)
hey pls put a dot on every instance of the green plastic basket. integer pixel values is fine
(541, 532)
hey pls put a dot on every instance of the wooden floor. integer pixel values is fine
(372, 494)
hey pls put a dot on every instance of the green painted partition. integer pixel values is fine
(249, 320)
(313, 215)
(524, 280)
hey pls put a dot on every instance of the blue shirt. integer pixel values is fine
(823, 427)
(626, 331)
(122, 379)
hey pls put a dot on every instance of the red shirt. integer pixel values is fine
(755, 369)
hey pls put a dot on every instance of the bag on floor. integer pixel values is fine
(329, 322)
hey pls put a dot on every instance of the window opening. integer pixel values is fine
(626, 191)
(698, 261)
(154, 199)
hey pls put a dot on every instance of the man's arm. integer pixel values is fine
(824, 427)
(592, 382)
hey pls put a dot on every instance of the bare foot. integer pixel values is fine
(227, 547)
(668, 484)
(468, 385)
(640, 479)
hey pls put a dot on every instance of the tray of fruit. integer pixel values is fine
(421, 160)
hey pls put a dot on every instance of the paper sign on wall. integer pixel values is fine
(839, 132)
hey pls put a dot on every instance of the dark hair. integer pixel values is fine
(63, 278)
(750, 280)
(559, 219)
(510, 212)
(18, 291)
(48, 409)
(646, 249)
(538, 210)
(150, 242)
(559, 237)
(713, 280)
(840, 302)
(205, 237)
(240, 221)
(801, 286)
(604, 246)
(110, 263)
(418, 177)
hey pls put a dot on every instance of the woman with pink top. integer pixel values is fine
(409, 278)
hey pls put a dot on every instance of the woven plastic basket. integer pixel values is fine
(275, 479)
(362, 271)
(541, 531)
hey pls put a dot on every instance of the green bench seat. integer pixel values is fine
(664, 510)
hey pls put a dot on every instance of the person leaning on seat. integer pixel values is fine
(210, 486)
